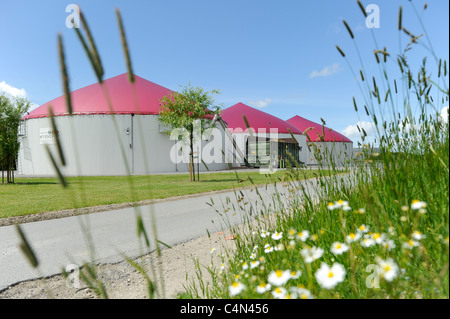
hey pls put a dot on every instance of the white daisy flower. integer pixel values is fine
(351, 238)
(279, 293)
(303, 235)
(346, 208)
(244, 266)
(389, 244)
(264, 234)
(279, 247)
(304, 293)
(279, 277)
(367, 241)
(295, 274)
(292, 233)
(410, 244)
(331, 206)
(236, 288)
(388, 269)
(340, 204)
(253, 256)
(363, 229)
(328, 277)
(277, 235)
(339, 248)
(262, 288)
(379, 238)
(254, 264)
(311, 254)
(417, 235)
(268, 249)
(417, 205)
(212, 250)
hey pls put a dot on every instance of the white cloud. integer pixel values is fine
(260, 103)
(354, 134)
(326, 71)
(444, 114)
(11, 91)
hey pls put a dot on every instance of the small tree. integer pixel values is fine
(182, 109)
(11, 112)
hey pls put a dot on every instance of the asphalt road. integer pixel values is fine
(61, 242)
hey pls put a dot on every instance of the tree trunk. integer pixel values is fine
(191, 157)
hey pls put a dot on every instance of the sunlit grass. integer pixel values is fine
(36, 195)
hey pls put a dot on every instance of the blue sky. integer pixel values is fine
(276, 55)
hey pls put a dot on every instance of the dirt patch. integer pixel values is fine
(123, 281)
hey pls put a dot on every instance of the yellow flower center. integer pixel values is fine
(376, 235)
(362, 227)
(338, 246)
(352, 235)
(330, 275)
(387, 268)
(340, 202)
(415, 201)
(277, 290)
(235, 284)
(279, 273)
(303, 296)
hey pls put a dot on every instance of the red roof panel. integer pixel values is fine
(91, 99)
(258, 121)
(315, 129)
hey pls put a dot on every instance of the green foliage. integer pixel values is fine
(188, 111)
(11, 111)
(391, 212)
(182, 109)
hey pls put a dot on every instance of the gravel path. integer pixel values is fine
(122, 281)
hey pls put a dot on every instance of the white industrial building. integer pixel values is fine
(97, 142)
(270, 140)
(325, 146)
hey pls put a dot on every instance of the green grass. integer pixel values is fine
(37, 195)
(403, 252)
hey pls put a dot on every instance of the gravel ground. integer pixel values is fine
(122, 281)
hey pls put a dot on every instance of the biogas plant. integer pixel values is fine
(123, 136)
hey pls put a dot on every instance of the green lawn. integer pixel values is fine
(36, 195)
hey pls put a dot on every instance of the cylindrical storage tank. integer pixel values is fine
(325, 146)
(263, 138)
(114, 130)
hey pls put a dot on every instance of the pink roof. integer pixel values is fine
(258, 121)
(316, 129)
(91, 99)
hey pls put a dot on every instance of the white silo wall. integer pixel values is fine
(324, 152)
(95, 145)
